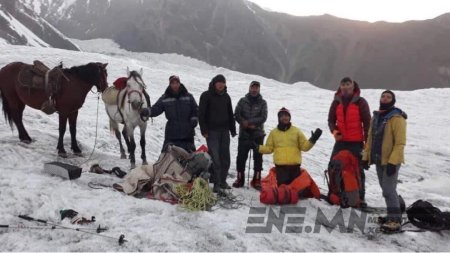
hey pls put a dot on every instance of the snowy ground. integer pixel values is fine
(157, 226)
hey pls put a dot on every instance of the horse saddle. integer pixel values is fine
(40, 77)
(109, 96)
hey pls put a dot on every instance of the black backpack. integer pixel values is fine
(424, 215)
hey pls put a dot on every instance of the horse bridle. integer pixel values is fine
(103, 79)
(129, 92)
(141, 95)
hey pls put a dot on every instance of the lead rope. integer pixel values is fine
(96, 131)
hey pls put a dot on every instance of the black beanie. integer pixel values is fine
(389, 105)
(218, 78)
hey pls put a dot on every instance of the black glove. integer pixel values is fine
(390, 169)
(365, 165)
(315, 135)
(253, 145)
(145, 112)
(194, 122)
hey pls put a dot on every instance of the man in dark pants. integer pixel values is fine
(181, 112)
(250, 113)
(385, 148)
(349, 121)
(216, 123)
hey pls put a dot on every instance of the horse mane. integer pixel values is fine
(88, 73)
(134, 74)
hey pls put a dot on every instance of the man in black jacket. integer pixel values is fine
(181, 112)
(216, 123)
(250, 113)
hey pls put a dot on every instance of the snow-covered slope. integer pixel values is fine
(19, 25)
(157, 226)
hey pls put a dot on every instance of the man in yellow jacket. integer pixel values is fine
(385, 148)
(287, 143)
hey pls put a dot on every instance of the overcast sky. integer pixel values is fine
(376, 10)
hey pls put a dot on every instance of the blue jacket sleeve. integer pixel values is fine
(157, 108)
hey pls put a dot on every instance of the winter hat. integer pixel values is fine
(218, 78)
(346, 80)
(385, 106)
(283, 110)
(173, 78)
(390, 92)
(255, 83)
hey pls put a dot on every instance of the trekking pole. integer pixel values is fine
(28, 227)
(99, 229)
(28, 218)
(249, 166)
(21, 226)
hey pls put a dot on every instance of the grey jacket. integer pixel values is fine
(254, 110)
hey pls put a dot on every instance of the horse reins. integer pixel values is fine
(96, 131)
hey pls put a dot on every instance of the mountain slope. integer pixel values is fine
(19, 25)
(151, 225)
(239, 35)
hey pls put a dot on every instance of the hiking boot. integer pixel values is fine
(225, 186)
(391, 226)
(363, 204)
(216, 188)
(240, 180)
(381, 220)
(256, 181)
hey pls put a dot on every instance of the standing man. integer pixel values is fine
(349, 121)
(181, 112)
(216, 124)
(250, 113)
(385, 148)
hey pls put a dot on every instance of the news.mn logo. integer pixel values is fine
(290, 219)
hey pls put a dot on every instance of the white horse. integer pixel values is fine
(129, 103)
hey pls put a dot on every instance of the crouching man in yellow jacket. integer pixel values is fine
(287, 143)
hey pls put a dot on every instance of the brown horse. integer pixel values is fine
(73, 90)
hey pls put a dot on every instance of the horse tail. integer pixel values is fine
(113, 126)
(6, 110)
(111, 129)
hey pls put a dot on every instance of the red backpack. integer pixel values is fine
(344, 180)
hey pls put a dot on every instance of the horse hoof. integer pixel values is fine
(133, 165)
(145, 163)
(79, 154)
(63, 154)
(123, 156)
(27, 141)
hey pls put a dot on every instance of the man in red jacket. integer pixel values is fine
(349, 122)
